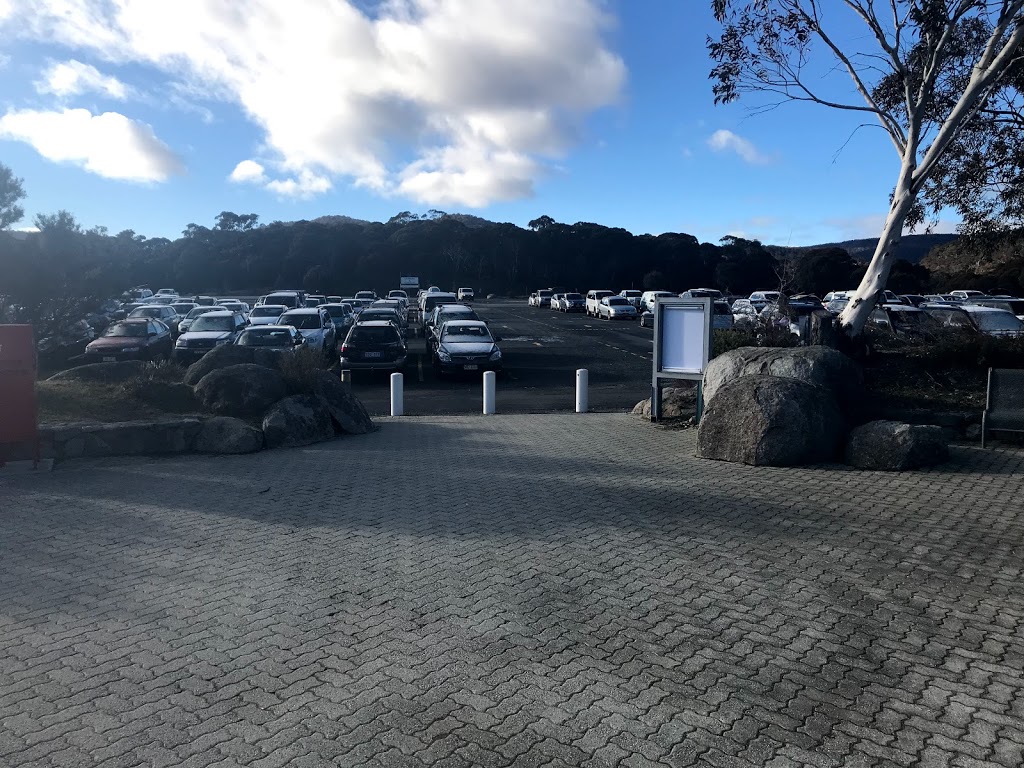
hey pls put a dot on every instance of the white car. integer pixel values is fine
(616, 308)
(648, 300)
(314, 324)
(761, 299)
(465, 294)
(556, 301)
(633, 297)
(266, 314)
(594, 298)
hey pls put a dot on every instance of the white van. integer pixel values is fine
(649, 297)
(594, 301)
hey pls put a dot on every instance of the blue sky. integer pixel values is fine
(154, 115)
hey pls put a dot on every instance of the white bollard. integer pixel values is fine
(582, 379)
(397, 392)
(490, 379)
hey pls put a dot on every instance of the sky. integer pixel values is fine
(153, 114)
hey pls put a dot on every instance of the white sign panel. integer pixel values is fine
(683, 335)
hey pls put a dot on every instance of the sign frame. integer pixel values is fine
(674, 319)
(19, 420)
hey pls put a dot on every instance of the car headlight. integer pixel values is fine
(443, 356)
(221, 342)
(496, 354)
(181, 343)
(613, 311)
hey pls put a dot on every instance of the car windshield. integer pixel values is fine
(374, 334)
(303, 320)
(207, 323)
(266, 312)
(147, 312)
(447, 317)
(954, 318)
(997, 321)
(617, 302)
(133, 330)
(199, 311)
(337, 312)
(274, 337)
(365, 295)
(180, 308)
(574, 296)
(545, 294)
(457, 332)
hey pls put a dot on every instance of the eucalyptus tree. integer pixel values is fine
(943, 78)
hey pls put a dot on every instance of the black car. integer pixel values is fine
(382, 314)
(208, 331)
(275, 337)
(375, 345)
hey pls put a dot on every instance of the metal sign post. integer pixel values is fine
(682, 346)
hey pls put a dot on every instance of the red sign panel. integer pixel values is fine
(18, 422)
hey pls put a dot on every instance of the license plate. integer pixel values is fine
(109, 359)
(373, 354)
(470, 367)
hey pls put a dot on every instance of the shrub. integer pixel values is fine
(762, 334)
(966, 349)
(301, 369)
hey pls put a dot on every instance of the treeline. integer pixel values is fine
(341, 255)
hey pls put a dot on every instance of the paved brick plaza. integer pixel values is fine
(516, 590)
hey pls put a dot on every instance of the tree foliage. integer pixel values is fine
(943, 78)
(11, 193)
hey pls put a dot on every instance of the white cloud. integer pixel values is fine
(306, 185)
(72, 78)
(248, 172)
(727, 141)
(447, 101)
(4, 60)
(109, 145)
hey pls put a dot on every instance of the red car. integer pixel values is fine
(137, 338)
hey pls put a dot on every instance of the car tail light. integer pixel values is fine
(343, 348)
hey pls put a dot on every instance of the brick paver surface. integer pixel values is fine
(516, 590)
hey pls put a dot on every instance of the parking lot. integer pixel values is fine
(542, 350)
(464, 591)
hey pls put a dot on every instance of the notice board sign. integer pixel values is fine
(682, 344)
(18, 422)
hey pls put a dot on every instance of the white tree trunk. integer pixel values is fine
(855, 316)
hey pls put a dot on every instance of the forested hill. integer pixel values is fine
(913, 248)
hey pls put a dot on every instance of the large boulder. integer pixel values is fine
(819, 366)
(226, 355)
(676, 403)
(105, 373)
(346, 409)
(240, 390)
(893, 446)
(224, 434)
(771, 420)
(297, 420)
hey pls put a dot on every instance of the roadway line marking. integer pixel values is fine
(419, 365)
(537, 344)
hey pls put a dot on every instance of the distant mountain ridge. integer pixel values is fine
(913, 248)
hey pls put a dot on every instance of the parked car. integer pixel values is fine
(315, 300)
(285, 338)
(902, 321)
(266, 314)
(182, 308)
(941, 298)
(761, 299)
(162, 312)
(342, 317)
(836, 306)
(616, 308)
(834, 295)
(543, 298)
(366, 295)
(443, 314)
(290, 299)
(207, 331)
(137, 338)
(572, 302)
(315, 324)
(385, 314)
(646, 319)
(206, 301)
(358, 305)
(633, 297)
(186, 322)
(593, 301)
(965, 295)
(466, 345)
(744, 314)
(912, 299)
(701, 293)
(531, 300)
(400, 296)
(374, 345)
(334, 299)
(166, 292)
(465, 294)
(986, 320)
(433, 299)
(649, 298)
(721, 315)
(556, 300)
(66, 343)
(1010, 304)
(234, 305)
